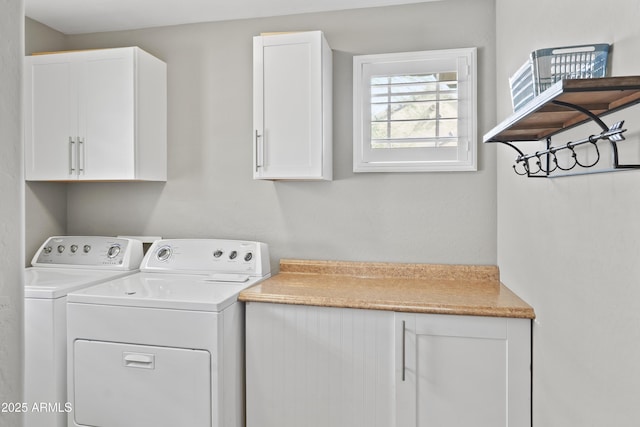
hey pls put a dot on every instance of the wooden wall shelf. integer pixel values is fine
(566, 104)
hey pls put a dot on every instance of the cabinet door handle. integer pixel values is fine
(258, 164)
(81, 159)
(71, 149)
(404, 335)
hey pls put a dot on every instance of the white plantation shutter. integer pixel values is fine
(415, 111)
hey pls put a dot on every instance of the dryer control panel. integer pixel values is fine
(208, 256)
(97, 252)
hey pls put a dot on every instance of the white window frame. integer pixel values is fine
(464, 157)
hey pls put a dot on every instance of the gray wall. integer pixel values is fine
(428, 217)
(12, 205)
(571, 246)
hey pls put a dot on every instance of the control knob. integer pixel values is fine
(113, 251)
(163, 253)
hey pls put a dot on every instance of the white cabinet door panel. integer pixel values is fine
(318, 367)
(457, 371)
(51, 120)
(107, 150)
(288, 125)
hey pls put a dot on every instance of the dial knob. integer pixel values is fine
(86, 249)
(218, 253)
(233, 254)
(248, 256)
(113, 251)
(47, 250)
(60, 249)
(163, 253)
(74, 248)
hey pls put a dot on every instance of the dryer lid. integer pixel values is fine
(168, 291)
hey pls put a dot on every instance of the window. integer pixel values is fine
(415, 111)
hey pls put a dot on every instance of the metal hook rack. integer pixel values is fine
(612, 134)
(567, 104)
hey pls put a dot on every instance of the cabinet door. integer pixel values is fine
(318, 366)
(290, 118)
(460, 371)
(51, 119)
(106, 149)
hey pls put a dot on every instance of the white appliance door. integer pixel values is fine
(140, 386)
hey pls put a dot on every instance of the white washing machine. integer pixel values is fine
(61, 265)
(165, 347)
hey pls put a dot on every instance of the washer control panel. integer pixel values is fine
(89, 252)
(207, 256)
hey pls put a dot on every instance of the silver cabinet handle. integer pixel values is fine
(404, 334)
(71, 149)
(258, 164)
(81, 160)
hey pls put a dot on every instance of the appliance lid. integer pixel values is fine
(169, 291)
(50, 283)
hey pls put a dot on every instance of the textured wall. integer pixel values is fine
(11, 207)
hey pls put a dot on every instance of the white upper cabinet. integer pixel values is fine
(95, 115)
(292, 107)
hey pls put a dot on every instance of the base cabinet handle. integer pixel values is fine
(404, 348)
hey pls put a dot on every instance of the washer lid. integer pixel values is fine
(49, 283)
(174, 291)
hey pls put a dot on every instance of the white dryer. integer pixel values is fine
(165, 347)
(61, 265)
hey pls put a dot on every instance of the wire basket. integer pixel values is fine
(548, 66)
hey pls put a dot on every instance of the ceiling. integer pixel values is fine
(89, 16)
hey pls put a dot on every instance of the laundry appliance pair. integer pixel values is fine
(159, 345)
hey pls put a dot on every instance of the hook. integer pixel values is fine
(555, 160)
(525, 165)
(593, 140)
(539, 163)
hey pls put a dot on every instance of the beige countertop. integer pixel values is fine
(420, 288)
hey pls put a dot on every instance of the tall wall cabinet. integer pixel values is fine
(95, 115)
(292, 84)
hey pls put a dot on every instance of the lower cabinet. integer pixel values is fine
(334, 367)
(461, 371)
